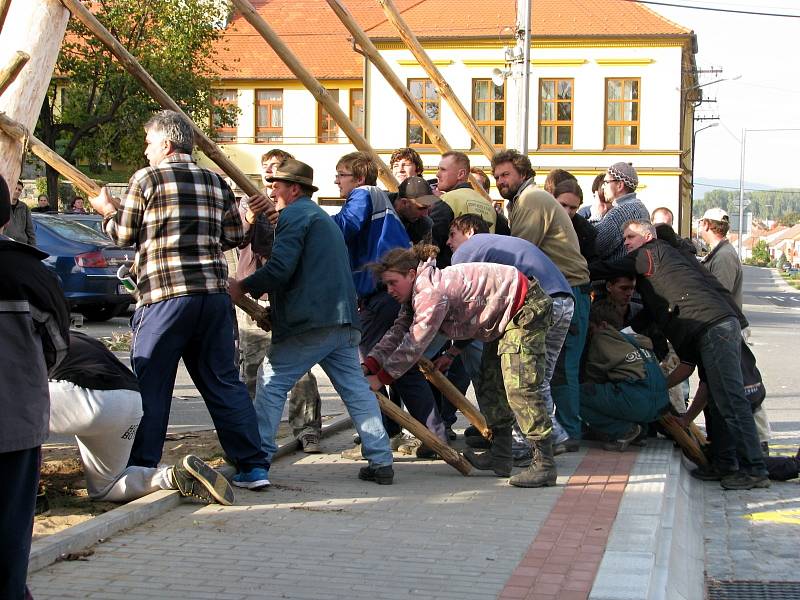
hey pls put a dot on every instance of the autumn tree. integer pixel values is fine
(94, 110)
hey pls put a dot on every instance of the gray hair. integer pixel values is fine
(174, 127)
(641, 225)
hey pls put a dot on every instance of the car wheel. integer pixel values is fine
(103, 312)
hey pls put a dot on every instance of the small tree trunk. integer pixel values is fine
(52, 187)
(37, 28)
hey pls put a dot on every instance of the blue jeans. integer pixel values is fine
(335, 349)
(199, 329)
(720, 354)
(565, 385)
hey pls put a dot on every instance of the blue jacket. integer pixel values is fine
(308, 274)
(371, 228)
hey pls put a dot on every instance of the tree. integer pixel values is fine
(94, 110)
(789, 219)
(760, 254)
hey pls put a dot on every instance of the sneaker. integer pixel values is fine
(744, 481)
(353, 453)
(568, 445)
(254, 479)
(710, 473)
(309, 443)
(622, 443)
(409, 447)
(380, 475)
(197, 479)
(451, 435)
(398, 440)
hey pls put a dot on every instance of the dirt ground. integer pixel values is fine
(65, 487)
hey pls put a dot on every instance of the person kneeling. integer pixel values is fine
(625, 386)
(96, 398)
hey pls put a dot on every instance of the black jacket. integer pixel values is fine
(587, 235)
(682, 297)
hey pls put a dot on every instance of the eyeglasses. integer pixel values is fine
(609, 181)
(340, 175)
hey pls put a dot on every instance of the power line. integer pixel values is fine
(725, 10)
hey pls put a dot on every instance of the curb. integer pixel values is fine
(97, 529)
(655, 550)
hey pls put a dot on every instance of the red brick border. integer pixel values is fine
(562, 561)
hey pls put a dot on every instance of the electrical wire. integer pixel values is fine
(725, 10)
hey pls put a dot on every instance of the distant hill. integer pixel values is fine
(703, 185)
(763, 203)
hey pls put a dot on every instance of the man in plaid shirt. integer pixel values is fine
(181, 218)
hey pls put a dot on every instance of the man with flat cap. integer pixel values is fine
(314, 318)
(413, 205)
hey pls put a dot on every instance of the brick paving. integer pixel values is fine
(322, 533)
(562, 561)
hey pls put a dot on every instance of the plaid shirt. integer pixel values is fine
(181, 218)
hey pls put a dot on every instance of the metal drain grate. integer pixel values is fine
(753, 590)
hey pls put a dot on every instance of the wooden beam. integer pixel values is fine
(371, 52)
(317, 90)
(126, 59)
(35, 27)
(422, 433)
(4, 6)
(445, 91)
(9, 73)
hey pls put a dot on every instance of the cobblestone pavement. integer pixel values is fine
(319, 532)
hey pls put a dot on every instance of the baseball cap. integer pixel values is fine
(418, 190)
(715, 214)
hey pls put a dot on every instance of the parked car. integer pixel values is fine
(90, 220)
(86, 264)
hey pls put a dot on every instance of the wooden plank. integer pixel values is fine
(398, 415)
(9, 73)
(317, 90)
(454, 395)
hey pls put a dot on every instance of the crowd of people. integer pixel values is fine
(569, 323)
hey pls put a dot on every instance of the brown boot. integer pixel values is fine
(542, 472)
(498, 458)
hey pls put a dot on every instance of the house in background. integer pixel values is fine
(610, 81)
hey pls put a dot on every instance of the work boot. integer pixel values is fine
(195, 478)
(542, 473)
(498, 458)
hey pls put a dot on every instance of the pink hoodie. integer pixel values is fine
(466, 301)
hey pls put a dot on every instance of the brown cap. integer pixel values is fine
(294, 171)
(417, 189)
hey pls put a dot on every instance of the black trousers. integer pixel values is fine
(19, 472)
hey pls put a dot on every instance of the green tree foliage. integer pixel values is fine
(760, 254)
(764, 204)
(94, 110)
(789, 219)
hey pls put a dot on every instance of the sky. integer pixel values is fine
(763, 53)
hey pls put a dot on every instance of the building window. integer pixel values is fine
(424, 92)
(357, 109)
(269, 115)
(327, 129)
(555, 112)
(489, 110)
(223, 99)
(622, 113)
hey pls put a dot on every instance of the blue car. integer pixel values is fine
(86, 264)
(89, 220)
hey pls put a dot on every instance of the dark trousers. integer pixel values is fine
(457, 374)
(377, 313)
(198, 329)
(734, 431)
(19, 472)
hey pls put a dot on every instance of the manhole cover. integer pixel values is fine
(753, 590)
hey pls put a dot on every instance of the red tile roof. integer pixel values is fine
(316, 36)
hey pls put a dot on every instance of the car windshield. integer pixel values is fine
(72, 230)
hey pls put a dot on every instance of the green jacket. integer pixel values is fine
(308, 275)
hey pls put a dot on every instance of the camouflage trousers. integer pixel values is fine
(305, 404)
(513, 369)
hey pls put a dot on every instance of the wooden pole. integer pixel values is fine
(398, 415)
(371, 52)
(255, 311)
(9, 73)
(4, 6)
(445, 91)
(35, 27)
(317, 90)
(211, 150)
(455, 397)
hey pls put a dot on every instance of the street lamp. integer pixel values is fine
(694, 134)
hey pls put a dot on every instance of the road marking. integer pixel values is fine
(784, 517)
